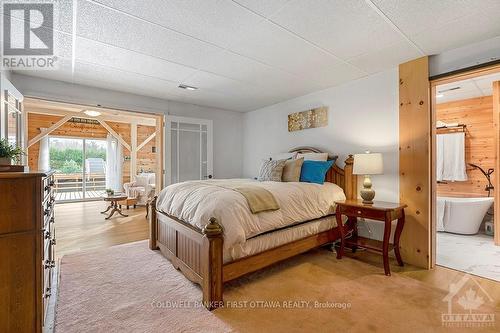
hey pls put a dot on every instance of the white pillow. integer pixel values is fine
(283, 156)
(313, 156)
(141, 180)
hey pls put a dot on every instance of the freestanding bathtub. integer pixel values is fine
(461, 215)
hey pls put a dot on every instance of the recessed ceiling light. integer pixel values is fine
(92, 113)
(185, 86)
(439, 95)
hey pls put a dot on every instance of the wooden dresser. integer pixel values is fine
(27, 239)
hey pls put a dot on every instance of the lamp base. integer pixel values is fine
(367, 193)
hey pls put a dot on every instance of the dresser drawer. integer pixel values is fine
(364, 212)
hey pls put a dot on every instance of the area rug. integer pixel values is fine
(129, 288)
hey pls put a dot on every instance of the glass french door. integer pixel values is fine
(189, 149)
(80, 168)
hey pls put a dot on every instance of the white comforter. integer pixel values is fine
(196, 201)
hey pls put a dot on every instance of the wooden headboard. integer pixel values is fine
(342, 177)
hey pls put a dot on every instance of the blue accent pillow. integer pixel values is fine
(315, 171)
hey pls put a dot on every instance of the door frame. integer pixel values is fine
(466, 74)
(168, 137)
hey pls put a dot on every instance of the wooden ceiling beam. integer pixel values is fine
(49, 130)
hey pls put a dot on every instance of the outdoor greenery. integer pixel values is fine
(70, 167)
(10, 151)
(70, 160)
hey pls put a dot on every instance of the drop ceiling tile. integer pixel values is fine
(263, 7)
(458, 33)
(345, 28)
(216, 83)
(277, 47)
(457, 96)
(466, 85)
(108, 78)
(413, 17)
(385, 58)
(334, 75)
(90, 51)
(486, 81)
(214, 21)
(240, 68)
(108, 26)
(61, 73)
(62, 14)
(63, 45)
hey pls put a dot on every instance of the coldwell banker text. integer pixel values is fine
(28, 36)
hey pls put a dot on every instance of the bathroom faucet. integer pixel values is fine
(487, 174)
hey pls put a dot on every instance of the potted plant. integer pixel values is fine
(110, 192)
(9, 152)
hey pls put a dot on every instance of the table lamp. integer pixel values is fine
(368, 164)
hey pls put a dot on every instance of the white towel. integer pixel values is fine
(450, 157)
(439, 156)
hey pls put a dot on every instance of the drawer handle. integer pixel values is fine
(49, 264)
(51, 184)
(359, 212)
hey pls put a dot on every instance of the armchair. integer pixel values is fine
(142, 188)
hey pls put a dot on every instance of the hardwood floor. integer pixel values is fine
(80, 226)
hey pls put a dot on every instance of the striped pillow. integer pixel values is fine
(271, 170)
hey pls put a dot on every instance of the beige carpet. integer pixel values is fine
(129, 288)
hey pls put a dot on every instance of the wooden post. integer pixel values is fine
(415, 160)
(496, 182)
(153, 224)
(133, 151)
(212, 264)
(351, 181)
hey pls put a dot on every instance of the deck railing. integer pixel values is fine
(65, 183)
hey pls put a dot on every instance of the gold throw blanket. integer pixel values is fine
(259, 199)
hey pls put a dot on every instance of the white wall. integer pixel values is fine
(363, 115)
(228, 125)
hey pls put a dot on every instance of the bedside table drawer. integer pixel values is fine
(366, 212)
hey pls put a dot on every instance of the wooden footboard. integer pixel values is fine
(198, 253)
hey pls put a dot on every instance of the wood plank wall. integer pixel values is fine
(477, 114)
(415, 160)
(146, 160)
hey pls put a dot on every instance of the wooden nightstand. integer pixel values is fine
(385, 212)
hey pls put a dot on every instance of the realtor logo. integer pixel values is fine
(28, 36)
(469, 305)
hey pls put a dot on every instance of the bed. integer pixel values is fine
(212, 242)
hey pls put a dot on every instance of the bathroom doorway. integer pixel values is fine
(465, 113)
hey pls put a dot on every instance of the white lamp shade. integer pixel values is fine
(368, 164)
